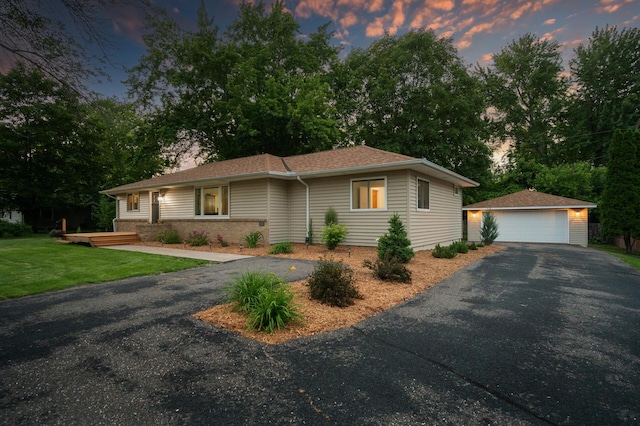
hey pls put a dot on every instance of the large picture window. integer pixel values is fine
(212, 201)
(423, 194)
(369, 194)
(133, 202)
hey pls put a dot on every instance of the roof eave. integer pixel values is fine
(569, 206)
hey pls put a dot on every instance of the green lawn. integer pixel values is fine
(37, 264)
(633, 259)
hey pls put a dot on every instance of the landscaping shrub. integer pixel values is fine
(332, 283)
(460, 246)
(330, 217)
(395, 243)
(489, 230)
(222, 241)
(446, 252)
(14, 229)
(334, 234)
(389, 269)
(473, 246)
(244, 290)
(197, 238)
(310, 232)
(253, 239)
(273, 309)
(479, 245)
(281, 248)
(168, 237)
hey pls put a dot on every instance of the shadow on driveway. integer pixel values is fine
(535, 334)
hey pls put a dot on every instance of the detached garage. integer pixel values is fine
(533, 217)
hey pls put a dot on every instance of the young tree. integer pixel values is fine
(607, 75)
(489, 230)
(412, 94)
(621, 196)
(395, 243)
(527, 93)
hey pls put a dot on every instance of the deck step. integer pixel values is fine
(102, 239)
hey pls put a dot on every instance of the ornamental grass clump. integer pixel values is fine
(253, 239)
(281, 248)
(333, 283)
(265, 299)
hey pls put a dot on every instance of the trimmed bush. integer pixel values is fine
(10, 229)
(332, 235)
(197, 238)
(253, 239)
(460, 246)
(332, 283)
(389, 269)
(395, 243)
(473, 246)
(168, 237)
(489, 230)
(281, 248)
(446, 252)
(272, 309)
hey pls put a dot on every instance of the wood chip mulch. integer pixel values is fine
(378, 295)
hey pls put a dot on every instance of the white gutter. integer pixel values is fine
(307, 222)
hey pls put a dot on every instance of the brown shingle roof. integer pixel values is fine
(529, 199)
(360, 156)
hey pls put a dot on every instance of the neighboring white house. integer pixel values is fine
(281, 196)
(12, 216)
(533, 217)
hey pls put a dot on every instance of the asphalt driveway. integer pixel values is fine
(535, 334)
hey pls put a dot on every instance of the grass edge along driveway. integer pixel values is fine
(37, 264)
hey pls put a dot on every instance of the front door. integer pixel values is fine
(155, 207)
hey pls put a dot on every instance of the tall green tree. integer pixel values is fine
(527, 93)
(44, 146)
(621, 196)
(413, 95)
(259, 88)
(606, 72)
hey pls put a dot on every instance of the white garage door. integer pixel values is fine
(533, 226)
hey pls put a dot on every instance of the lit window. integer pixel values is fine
(212, 201)
(132, 202)
(423, 194)
(368, 194)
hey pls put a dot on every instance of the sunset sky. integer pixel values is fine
(478, 27)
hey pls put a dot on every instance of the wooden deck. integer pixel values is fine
(101, 239)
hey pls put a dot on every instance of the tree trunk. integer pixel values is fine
(627, 242)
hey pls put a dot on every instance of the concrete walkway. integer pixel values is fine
(189, 254)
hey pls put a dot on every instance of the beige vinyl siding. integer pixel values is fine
(473, 225)
(278, 211)
(249, 199)
(364, 226)
(442, 223)
(579, 227)
(178, 203)
(143, 211)
(298, 214)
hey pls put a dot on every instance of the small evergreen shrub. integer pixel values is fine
(253, 239)
(389, 269)
(473, 246)
(330, 217)
(332, 235)
(460, 246)
(197, 238)
(332, 283)
(310, 232)
(479, 245)
(489, 230)
(244, 290)
(446, 252)
(281, 248)
(273, 309)
(395, 243)
(168, 237)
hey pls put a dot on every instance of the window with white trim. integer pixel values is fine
(212, 201)
(133, 204)
(423, 194)
(369, 194)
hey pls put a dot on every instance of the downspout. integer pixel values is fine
(307, 209)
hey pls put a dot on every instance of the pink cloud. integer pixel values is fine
(348, 20)
(307, 8)
(549, 22)
(375, 28)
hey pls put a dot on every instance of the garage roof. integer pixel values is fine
(530, 199)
